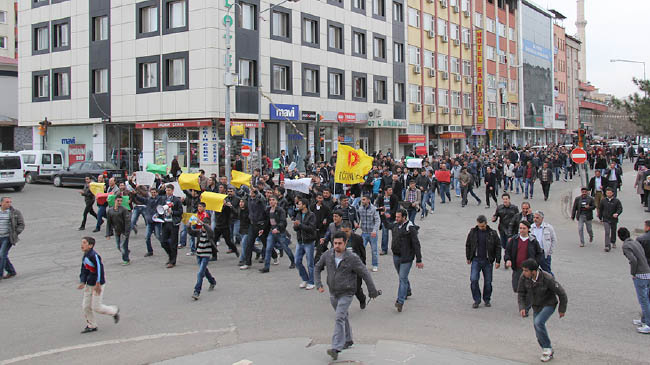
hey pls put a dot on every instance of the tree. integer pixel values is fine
(638, 106)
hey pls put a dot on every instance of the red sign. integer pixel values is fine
(346, 117)
(421, 150)
(189, 123)
(579, 155)
(76, 153)
(452, 135)
(245, 123)
(245, 150)
(412, 138)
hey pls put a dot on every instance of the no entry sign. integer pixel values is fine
(579, 156)
(245, 150)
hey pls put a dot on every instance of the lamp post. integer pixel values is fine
(632, 61)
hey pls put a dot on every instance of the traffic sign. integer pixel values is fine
(245, 150)
(247, 142)
(579, 156)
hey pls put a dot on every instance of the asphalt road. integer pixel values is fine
(42, 314)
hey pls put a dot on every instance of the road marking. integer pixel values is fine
(111, 342)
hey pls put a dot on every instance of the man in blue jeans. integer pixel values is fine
(387, 206)
(541, 289)
(276, 226)
(406, 248)
(369, 222)
(11, 225)
(640, 271)
(305, 227)
(151, 213)
(482, 248)
(530, 175)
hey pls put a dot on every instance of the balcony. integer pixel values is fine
(593, 104)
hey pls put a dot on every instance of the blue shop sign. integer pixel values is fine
(284, 112)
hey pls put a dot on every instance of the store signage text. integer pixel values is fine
(411, 138)
(68, 140)
(247, 123)
(307, 115)
(76, 153)
(343, 117)
(193, 123)
(283, 112)
(387, 123)
(479, 76)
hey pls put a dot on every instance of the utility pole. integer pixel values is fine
(228, 82)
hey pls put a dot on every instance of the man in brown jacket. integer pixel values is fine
(11, 225)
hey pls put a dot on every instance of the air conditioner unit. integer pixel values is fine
(457, 77)
(468, 79)
(443, 3)
(444, 38)
(457, 111)
(432, 72)
(445, 110)
(417, 69)
(432, 34)
(375, 113)
(456, 42)
(430, 1)
(467, 45)
(466, 13)
(455, 8)
(468, 112)
(445, 75)
(417, 108)
(431, 109)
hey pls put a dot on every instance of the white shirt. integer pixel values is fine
(338, 259)
(538, 232)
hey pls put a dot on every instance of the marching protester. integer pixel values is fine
(354, 242)
(521, 247)
(387, 205)
(482, 249)
(343, 267)
(277, 236)
(597, 187)
(545, 234)
(405, 248)
(118, 224)
(305, 227)
(610, 209)
(369, 219)
(490, 187)
(583, 209)
(505, 213)
(205, 241)
(12, 224)
(171, 222)
(640, 271)
(89, 199)
(546, 179)
(154, 223)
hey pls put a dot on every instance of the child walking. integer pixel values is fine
(205, 235)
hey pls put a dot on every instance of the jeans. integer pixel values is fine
(280, 240)
(582, 221)
(5, 263)
(152, 228)
(481, 265)
(253, 231)
(183, 240)
(234, 230)
(342, 330)
(122, 242)
(101, 213)
(642, 287)
(203, 273)
(444, 191)
(138, 210)
(303, 249)
(385, 230)
(540, 318)
(412, 212)
(546, 264)
(403, 269)
(457, 186)
(519, 182)
(531, 183)
(428, 198)
(373, 244)
(557, 171)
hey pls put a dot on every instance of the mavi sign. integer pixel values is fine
(284, 112)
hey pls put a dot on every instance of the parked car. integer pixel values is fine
(41, 164)
(76, 173)
(12, 171)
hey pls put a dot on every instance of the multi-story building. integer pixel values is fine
(135, 82)
(590, 107)
(573, 82)
(8, 28)
(560, 72)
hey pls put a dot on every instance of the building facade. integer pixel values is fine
(8, 28)
(573, 82)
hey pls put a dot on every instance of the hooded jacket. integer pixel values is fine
(405, 242)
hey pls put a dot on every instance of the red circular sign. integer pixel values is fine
(245, 150)
(579, 155)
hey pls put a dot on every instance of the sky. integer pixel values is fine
(623, 36)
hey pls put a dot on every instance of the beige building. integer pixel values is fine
(8, 29)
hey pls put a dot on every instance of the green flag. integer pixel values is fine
(276, 163)
(157, 169)
(125, 201)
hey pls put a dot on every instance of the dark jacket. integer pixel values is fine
(177, 208)
(543, 293)
(405, 243)
(16, 225)
(636, 256)
(280, 217)
(618, 171)
(342, 279)
(518, 218)
(490, 180)
(118, 221)
(92, 269)
(244, 221)
(578, 207)
(257, 210)
(644, 240)
(306, 230)
(492, 242)
(506, 215)
(151, 204)
(592, 185)
(545, 175)
(391, 209)
(322, 214)
(222, 219)
(608, 208)
(534, 250)
(88, 195)
(355, 242)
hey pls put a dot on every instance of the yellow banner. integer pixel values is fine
(187, 216)
(189, 181)
(351, 165)
(239, 178)
(96, 188)
(213, 201)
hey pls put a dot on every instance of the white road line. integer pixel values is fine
(111, 342)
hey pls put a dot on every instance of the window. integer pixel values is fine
(359, 5)
(398, 91)
(467, 101)
(176, 70)
(455, 99)
(148, 19)
(429, 98)
(100, 81)
(511, 34)
(455, 65)
(359, 86)
(311, 80)
(380, 90)
(428, 59)
(398, 12)
(414, 17)
(491, 81)
(415, 95)
(504, 110)
(3, 17)
(466, 36)
(148, 74)
(489, 25)
(280, 24)
(464, 5)
(3, 42)
(514, 111)
(501, 28)
(335, 38)
(310, 31)
(454, 31)
(467, 68)
(100, 28)
(176, 14)
(414, 55)
(489, 53)
(41, 38)
(503, 82)
(249, 16)
(442, 27)
(46, 159)
(398, 52)
(335, 80)
(443, 97)
(442, 62)
(478, 20)
(61, 87)
(61, 34)
(58, 159)
(378, 8)
(281, 77)
(492, 109)
(247, 72)
(512, 59)
(379, 48)
(427, 22)
(42, 86)
(359, 43)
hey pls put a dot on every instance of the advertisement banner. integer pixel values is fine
(479, 77)
(76, 153)
(283, 112)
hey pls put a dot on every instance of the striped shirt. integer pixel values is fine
(204, 247)
(5, 222)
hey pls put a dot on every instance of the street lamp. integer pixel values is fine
(631, 61)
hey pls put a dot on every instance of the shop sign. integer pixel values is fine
(342, 117)
(76, 153)
(209, 145)
(411, 138)
(479, 77)
(479, 130)
(284, 112)
(346, 139)
(68, 140)
(512, 124)
(307, 115)
(245, 123)
(185, 124)
(383, 123)
(452, 135)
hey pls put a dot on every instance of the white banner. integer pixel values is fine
(177, 190)
(412, 163)
(144, 178)
(301, 185)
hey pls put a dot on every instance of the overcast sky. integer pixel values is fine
(622, 36)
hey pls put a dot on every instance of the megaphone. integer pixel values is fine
(161, 209)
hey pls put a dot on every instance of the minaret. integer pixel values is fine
(581, 24)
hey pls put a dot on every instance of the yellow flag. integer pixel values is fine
(187, 216)
(96, 188)
(189, 181)
(351, 165)
(213, 201)
(239, 178)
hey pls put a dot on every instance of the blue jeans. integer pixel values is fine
(235, 237)
(519, 182)
(183, 239)
(303, 249)
(558, 171)
(531, 183)
(444, 191)
(5, 263)
(403, 270)
(481, 265)
(152, 228)
(412, 213)
(101, 213)
(122, 242)
(203, 273)
(282, 242)
(546, 264)
(457, 186)
(642, 287)
(428, 198)
(384, 236)
(373, 244)
(540, 318)
(138, 211)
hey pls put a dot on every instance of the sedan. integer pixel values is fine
(76, 173)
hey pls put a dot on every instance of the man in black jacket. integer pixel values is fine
(482, 248)
(613, 176)
(305, 227)
(583, 209)
(406, 248)
(387, 204)
(276, 227)
(597, 185)
(258, 217)
(171, 224)
(89, 199)
(517, 244)
(526, 214)
(119, 223)
(490, 187)
(505, 213)
(644, 239)
(354, 242)
(610, 209)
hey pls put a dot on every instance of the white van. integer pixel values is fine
(41, 164)
(12, 171)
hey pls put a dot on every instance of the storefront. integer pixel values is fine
(289, 133)
(124, 146)
(383, 134)
(452, 143)
(409, 142)
(347, 130)
(76, 141)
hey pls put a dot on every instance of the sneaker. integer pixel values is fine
(191, 253)
(148, 254)
(81, 228)
(399, 306)
(408, 293)
(126, 263)
(9, 276)
(302, 285)
(487, 304)
(475, 305)
(547, 355)
(195, 296)
(607, 249)
(180, 246)
(211, 288)
(116, 316)
(613, 245)
(89, 329)
(375, 269)
(333, 353)
(645, 329)
(169, 266)
(276, 262)
(244, 267)
(310, 286)
(638, 323)
(264, 270)
(95, 231)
